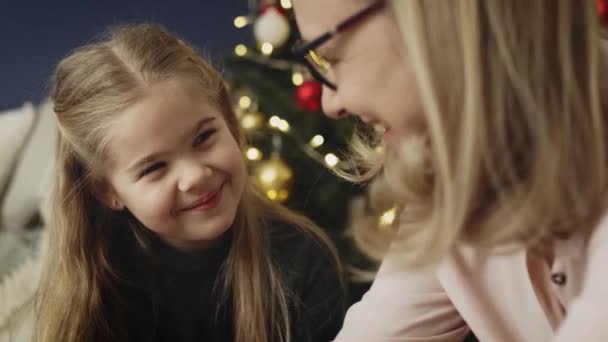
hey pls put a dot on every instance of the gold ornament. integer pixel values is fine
(274, 178)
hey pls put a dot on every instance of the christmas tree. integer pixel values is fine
(292, 146)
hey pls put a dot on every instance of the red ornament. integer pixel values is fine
(308, 95)
(602, 10)
(273, 7)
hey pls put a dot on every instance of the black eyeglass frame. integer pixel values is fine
(300, 52)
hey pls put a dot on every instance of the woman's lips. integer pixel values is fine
(386, 132)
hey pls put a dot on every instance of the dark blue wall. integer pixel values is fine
(35, 35)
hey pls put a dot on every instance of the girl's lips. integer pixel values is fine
(208, 201)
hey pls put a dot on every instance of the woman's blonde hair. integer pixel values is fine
(514, 149)
(81, 297)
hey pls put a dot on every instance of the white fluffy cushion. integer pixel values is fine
(15, 126)
(30, 180)
(18, 286)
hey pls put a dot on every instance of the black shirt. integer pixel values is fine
(192, 305)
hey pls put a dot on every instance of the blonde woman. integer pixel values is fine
(494, 119)
(157, 234)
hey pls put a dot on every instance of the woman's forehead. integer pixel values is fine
(314, 17)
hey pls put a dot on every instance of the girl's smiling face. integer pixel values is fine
(175, 165)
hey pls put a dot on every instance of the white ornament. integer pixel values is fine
(271, 27)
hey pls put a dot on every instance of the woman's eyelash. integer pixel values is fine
(151, 169)
(201, 138)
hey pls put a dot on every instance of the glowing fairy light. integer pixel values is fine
(272, 194)
(245, 102)
(240, 21)
(331, 160)
(317, 141)
(283, 126)
(297, 78)
(240, 50)
(267, 48)
(388, 217)
(274, 121)
(253, 154)
(278, 123)
(286, 4)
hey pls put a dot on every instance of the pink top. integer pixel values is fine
(502, 298)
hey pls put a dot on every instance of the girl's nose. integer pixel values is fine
(192, 176)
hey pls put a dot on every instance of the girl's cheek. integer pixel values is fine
(157, 204)
(165, 204)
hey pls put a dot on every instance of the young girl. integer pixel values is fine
(495, 119)
(157, 234)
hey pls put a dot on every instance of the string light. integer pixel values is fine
(278, 123)
(240, 21)
(274, 121)
(297, 78)
(272, 194)
(245, 102)
(284, 126)
(331, 160)
(286, 4)
(317, 141)
(253, 154)
(267, 48)
(240, 50)
(387, 218)
(278, 196)
(252, 121)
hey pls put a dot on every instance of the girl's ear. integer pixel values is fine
(105, 194)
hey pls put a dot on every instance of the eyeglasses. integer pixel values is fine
(320, 66)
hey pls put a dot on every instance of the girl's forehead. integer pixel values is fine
(160, 120)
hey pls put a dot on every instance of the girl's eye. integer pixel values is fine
(154, 167)
(201, 138)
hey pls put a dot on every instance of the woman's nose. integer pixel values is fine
(332, 106)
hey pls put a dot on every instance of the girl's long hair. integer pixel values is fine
(95, 251)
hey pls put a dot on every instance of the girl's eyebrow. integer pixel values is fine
(150, 157)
